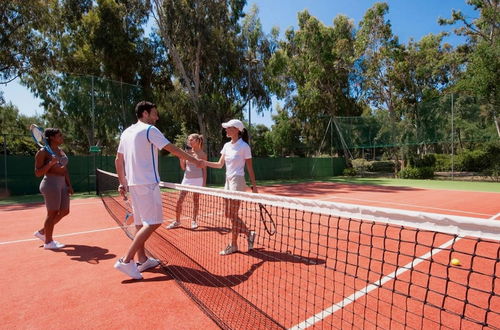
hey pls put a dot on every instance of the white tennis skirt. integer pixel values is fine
(193, 181)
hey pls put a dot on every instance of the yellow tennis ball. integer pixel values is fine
(455, 262)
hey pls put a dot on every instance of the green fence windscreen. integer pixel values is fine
(18, 177)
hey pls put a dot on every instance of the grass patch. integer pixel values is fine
(38, 198)
(426, 184)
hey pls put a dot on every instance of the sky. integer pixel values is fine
(410, 19)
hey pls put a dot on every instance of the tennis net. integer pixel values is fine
(322, 264)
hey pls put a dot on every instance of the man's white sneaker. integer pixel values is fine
(251, 240)
(39, 235)
(173, 224)
(194, 225)
(150, 263)
(129, 268)
(54, 245)
(230, 249)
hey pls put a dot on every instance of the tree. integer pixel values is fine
(22, 47)
(286, 135)
(14, 131)
(482, 74)
(261, 141)
(312, 70)
(378, 51)
(422, 73)
(203, 40)
(84, 40)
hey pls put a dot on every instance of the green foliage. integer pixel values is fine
(443, 162)
(312, 71)
(349, 172)
(382, 166)
(14, 133)
(428, 160)
(416, 173)
(22, 45)
(285, 135)
(361, 165)
(261, 141)
(219, 62)
(493, 172)
(472, 161)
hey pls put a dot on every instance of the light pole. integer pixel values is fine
(250, 60)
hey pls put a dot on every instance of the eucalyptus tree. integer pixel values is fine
(84, 40)
(422, 74)
(21, 46)
(206, 46)
(14, 139)
(313, 72)
(379, 52)
(481, 76)
(286, 134)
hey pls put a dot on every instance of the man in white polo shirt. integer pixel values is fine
(137, 167)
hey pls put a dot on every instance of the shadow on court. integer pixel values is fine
(198, 276)
(273, 256)
(85, 253)
(205, 278)
(201, 228)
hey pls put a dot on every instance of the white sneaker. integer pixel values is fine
(129, 268)
(230, 249)
(39, 235)
(194, 225)
(173, 224)
(54, 245)
(251, 240)
(150, 263)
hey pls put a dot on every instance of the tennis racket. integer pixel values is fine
(128, 211)
(37, 135)
(267, 220)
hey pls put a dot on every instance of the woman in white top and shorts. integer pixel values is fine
(193, 176)
(235, 155)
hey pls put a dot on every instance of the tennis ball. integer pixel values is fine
(455, 262)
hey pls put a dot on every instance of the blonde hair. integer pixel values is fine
(198, 137)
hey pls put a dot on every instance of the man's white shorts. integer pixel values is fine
(193, 181)
(146, 204)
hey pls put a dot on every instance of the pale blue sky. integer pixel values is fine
(409, 19)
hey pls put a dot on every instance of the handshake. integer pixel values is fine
(201, 163)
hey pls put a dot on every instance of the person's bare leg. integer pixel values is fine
(178, 208)
(196, 204)
(48, 225)
(137, 245)
(141, 251)
(60, 214)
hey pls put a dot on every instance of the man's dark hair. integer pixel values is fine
(50, 132)
(143, 106)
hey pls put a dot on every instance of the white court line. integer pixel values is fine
(400, 204)
(62, 235)
(352, 298)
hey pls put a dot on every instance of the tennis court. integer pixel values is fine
(325, 270)
(284, 282)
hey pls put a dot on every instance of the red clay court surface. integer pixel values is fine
(77, 287)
